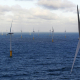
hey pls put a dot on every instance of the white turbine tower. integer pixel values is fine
(21, 33)
(65, 33)
(2, 32)
(52, 34)
(6, 32)
(78, 46)
(38, 32)
(33, 33)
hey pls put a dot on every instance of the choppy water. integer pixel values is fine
(39, 59)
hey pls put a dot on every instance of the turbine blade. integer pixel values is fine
(77, 49)
(78, 20)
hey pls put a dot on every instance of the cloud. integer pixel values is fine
(24, 0)
(57, 4)
(21, 16)
(4, 9)
(43, 14)
(34, 13)
(19, 0)
(26, 19)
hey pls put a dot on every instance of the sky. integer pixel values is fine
(41, 15)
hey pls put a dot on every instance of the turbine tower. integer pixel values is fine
(65, 33)
(52, 34)
(2, 32)
(38, 32)
(33, 33)
(6, 32)
(21, 33)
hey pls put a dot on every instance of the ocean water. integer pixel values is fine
(39, 59)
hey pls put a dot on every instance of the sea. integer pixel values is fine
(39, 59)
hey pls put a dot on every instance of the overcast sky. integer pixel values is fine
(41, 15)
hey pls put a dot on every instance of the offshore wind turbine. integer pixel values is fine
(13, 31)
(33, 33)
(6, 32)
(30, 33)
(10, 40)
(52, 34)
(38, 32)
(2, 32)
(21, 33)
(78, 45)
(65, 33)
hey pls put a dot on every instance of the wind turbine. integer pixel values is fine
(33, 33)
(30, 33)
(38, 32)
(78, 45)
(2, 32)
(52, 34)
(6, 32)
(65, 33)
(21, 33)
(10, 40)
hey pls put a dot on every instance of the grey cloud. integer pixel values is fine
(45, 17)
(31, 16)
(21, 14)
(57, 4)
(19, 0)
(24, 0)
(4, 9)
(7, 8)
